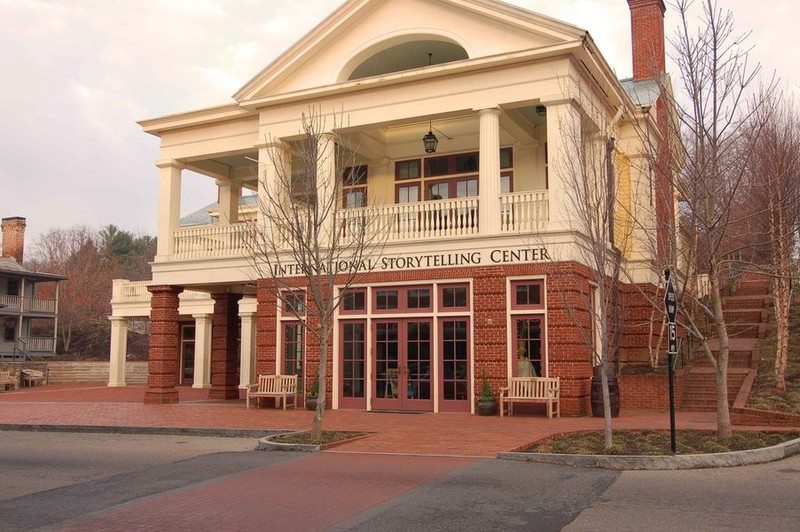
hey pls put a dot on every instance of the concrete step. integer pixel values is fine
(60, 372)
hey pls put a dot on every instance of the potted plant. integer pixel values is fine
(313, 394)
(487, 406)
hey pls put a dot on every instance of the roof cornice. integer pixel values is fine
(396, 78)
(506, 13)
(198, 117)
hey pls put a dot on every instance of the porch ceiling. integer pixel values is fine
(516, 125)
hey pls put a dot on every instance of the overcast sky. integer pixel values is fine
(78, 74)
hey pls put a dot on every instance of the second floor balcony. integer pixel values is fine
(513, 213)
(27, 305)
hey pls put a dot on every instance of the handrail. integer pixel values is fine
(526, 211)
(27, 304)
(215, 240)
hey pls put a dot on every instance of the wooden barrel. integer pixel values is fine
(597, 392)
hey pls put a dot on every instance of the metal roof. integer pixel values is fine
(644, 92)
(9, 267)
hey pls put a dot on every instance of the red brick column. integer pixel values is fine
(570, 358)
(224, 347)
(266, 329)
(163, 355)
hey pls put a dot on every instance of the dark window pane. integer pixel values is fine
(437, 166)
(294, 303)
(419, 298)
(407, 169)
(528, 294)
(386, 299)
(466, 163)
(355, 175)
(356, 300)
(505, 158)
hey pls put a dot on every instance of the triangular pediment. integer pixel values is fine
(364, 39)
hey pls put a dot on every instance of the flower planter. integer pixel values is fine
(311, 403)
(487, 408)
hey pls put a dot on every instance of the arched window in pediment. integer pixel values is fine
(389, 57)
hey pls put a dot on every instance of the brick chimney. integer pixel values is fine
(13, 237)
(647, 38)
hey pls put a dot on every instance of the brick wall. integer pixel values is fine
(568, 355)
(650, 391)
(753, 417)
(641, 324)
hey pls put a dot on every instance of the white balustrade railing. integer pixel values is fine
(38, 344)
(35, 304)
(27, 304)
(524, 211)
(215, 240)
(519, 212)
(10, 303)
(412, 221)
(136, 292)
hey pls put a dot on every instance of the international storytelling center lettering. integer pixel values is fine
(433, 260)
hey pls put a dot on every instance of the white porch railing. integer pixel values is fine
(412, 221)
(125, 291)
(519, 212)
(216, 240)
(38, 344)
(27, 304)
(524, 211)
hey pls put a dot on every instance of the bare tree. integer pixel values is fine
(588, 170)
(773, 196)
(314, 234)
(708, 169)
(86, 294)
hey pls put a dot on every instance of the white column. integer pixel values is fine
(271, 156)
(563, 121)
(326, 185)
(119, 351)
(169, 206)
(489, 180)
(228, 202)
(202, 351)
(247, 362)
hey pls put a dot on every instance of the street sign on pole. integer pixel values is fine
(672, 339)
(671, 308)
(670, 302)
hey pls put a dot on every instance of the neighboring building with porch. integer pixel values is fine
(443, 303)
(28, 300)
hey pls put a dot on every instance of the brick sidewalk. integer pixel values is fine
(94, 404)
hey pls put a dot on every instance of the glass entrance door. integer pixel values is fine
(403, 351)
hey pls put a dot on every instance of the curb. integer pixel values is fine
(266, 443)
(687, 461)
(158, 431)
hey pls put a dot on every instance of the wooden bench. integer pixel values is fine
(7, 380)
(531, 390)
(281, 387)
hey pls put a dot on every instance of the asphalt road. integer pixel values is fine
(67, 481)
